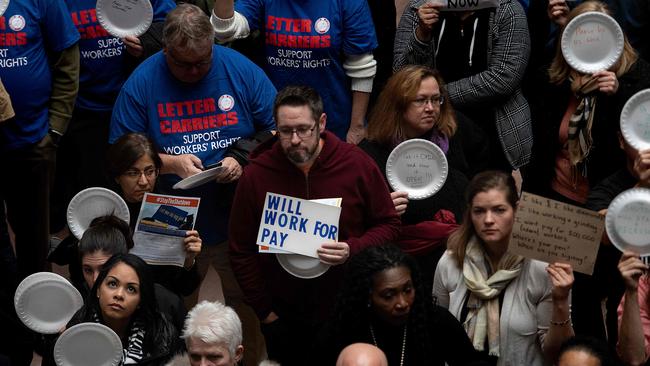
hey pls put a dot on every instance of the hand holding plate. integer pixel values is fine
(133, 46)
(642, 167)
(607, 82)
(230, 171)
(557, 11)
(400, 201)
(184, 165)
(631, 269)
(334, 253)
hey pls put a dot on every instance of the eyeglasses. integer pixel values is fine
(149, 173)
(190, 65)
(435, 101)
(302, 132)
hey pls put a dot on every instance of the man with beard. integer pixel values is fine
(308, 162)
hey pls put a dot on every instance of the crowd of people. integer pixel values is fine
(308, 99)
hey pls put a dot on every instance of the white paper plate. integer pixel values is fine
(418, 167)
(123, 18)
(628, 221)
(92, 203)
(45, 302)
(302, 266)
(592, 42)
(635, 120)
(4, 4)
(198, 179)
(88, 344)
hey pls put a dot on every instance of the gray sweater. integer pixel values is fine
(499, 85)
(525, 314)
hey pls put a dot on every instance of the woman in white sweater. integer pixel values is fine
(515, 310)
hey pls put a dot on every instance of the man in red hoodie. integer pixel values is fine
(308, 162)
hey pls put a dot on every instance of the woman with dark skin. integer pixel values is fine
(382, 302)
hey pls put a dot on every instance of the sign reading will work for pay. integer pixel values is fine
(296, 225)
(553, 231)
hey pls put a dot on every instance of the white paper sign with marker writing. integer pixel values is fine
(464, 5)
(296, 225)
(552, 231)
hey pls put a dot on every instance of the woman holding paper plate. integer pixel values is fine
(123, 299)
(577, 113)
(515, 310)
(132, 162)
(414, 105)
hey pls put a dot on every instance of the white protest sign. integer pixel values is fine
(326, 201)
(553, 231)
(464, 5)
(297, 226)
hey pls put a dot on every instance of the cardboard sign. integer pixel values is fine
(553, 231)
(464, 5)
(297, 226)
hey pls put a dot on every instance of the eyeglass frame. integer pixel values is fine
(434, 100)
(189, 66)
(148, 173)
(288, 135)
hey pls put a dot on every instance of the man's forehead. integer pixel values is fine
(181, 53)
(289, 115)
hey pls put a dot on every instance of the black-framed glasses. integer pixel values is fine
(149, 173)
(191, 65)
(302, 132)
(435, 100)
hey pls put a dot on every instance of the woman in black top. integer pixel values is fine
(382, 302)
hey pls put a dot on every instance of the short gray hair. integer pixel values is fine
(214, 323)
(187, 26)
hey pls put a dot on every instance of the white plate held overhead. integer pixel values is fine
(302, 266)
(4, 4)
(198, 179)
(88, 344)
(635, 120)
(123, 18)
(45, 302)
(92, 203)
(418, 167)
(592, 42)
(628, 221)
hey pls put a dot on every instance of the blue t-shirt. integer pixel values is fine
(102, 55)
(306, 42)
(28, 29)
(233, 101)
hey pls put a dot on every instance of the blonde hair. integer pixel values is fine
(386, 121)
(560, 69)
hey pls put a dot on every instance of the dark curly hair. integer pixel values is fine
(352, 315)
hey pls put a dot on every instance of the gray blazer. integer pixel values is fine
(500, 84)
(525, 314)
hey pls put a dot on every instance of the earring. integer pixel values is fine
(369, 304)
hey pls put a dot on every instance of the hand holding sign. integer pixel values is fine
(561, 275)
(428, 15)
(334, 253)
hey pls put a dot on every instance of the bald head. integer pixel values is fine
(361, 354)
